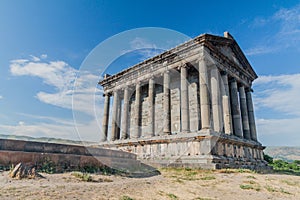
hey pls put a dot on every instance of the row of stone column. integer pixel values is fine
(242, 111)
(233, 108)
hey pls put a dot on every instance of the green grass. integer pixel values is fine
(83, 176)
(230, 171)
(126, 198)
(250, 187)
(172, 196)
(250, 177)
(272, 189)
(205, 178)
(246, 187)
(290, 183)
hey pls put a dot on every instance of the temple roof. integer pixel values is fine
(225, 48)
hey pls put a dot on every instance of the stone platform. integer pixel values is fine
(202, 149)
(65, 157)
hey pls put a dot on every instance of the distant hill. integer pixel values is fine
(46, 139)
(284, 153)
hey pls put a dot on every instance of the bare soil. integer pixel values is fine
(171, 184)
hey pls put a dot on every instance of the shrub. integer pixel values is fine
(268, 158)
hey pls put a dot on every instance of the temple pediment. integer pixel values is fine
(228, 48)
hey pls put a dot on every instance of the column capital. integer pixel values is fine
(165, 63)
(115, 91)
(232, 79)
(124, 87)
(184, 65)
(223, 73)
(138, 82)
(106, 94)
(241, 86)
(249, 89)
(151, 77)
(200, 59)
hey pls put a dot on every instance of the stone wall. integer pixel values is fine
(62, 157)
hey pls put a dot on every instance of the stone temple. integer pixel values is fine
(190, 106)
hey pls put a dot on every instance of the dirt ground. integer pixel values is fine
(171, 184)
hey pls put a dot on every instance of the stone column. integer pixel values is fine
(251, 115)
(204, 95)
(151, 106)
(118, 136)
(235, 108)
(184, 97)
(124, 126)
(137, 107)
(166, 104)
(244, 113)
(216, 99)
(227, 118)
(105, 117)
(114, 121)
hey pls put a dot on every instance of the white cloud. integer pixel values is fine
(1, 97)
(145, 48)
(62, 77)
(278, 94)
(21, 123)
(35, 59)
(74, 90)
(62, 129)
(279, 132)
(260, 50)
(286, 22)
(55, 73)
(43, 56)
(40, 130)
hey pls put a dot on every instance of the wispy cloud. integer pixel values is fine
(278, 94)
(279, 132)
(61, 76)
(286, 23)
(65, 130)
(145, 48)
(40, 130)
(1, 97)
(260, 50)
(74, 89)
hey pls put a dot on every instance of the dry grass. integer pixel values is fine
(171, 184)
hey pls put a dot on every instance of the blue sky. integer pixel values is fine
(44, 43)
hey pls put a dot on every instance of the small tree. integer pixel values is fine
(268, 158)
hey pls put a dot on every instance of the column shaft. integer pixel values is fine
(227, 118)
(251, 116)
(124, 134)
(151, 106)
(244, 113)
(216, 100)
(235, 108)
(105, 117)
(184, 96)
(137, 106)
(204, 95)
(114, 125)
(166, 104)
